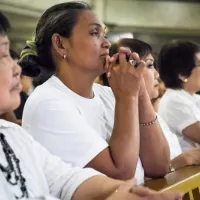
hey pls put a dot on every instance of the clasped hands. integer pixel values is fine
(124, 78)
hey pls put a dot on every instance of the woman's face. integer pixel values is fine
(151, 77)
(10, 86)
(88, 46)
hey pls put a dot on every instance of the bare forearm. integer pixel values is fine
(96, 188)
(153, 142)
(124, 143)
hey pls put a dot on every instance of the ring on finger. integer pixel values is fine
(132, 62)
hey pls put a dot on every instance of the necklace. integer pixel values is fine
(12, 172)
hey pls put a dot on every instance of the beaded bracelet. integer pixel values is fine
(149, 123)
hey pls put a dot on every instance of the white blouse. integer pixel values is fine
(179, 109)
(174, 146)
(45, 174)
(72, 127)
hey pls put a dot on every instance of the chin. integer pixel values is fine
(15, 104)
(155, 95)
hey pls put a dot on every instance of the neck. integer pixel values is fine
(80, 82)
(189, 89)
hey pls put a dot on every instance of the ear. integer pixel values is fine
(60, 44)
(183, 78)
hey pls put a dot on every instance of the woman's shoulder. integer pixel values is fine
(50, 91)
(173, 96)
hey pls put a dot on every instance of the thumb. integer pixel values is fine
(106, 65)
(140, 67)
(128, 185)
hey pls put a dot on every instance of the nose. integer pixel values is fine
(106, 44)
(156, 74)
(17, 69)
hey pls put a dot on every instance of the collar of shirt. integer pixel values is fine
(6, 124)
(184, 93)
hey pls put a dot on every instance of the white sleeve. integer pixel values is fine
(62, 178)
(65, 132)
(181, 113)
(175, 148)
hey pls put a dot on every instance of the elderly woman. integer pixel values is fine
(179, 69)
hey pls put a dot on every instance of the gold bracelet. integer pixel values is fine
(149, 123)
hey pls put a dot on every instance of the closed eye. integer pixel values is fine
(150, 66)
(94, 33)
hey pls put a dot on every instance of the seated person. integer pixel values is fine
(178, 64)
(85, 123)
(151, 79)
(27, 170)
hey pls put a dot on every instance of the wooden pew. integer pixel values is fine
(186, 179)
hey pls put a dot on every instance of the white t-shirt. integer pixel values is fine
(45, 174)
(179, 109)
(76, 129)
(174, 146)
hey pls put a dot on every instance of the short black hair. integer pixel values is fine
(176, 58)
(4, 24)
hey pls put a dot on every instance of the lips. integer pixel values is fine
(105, 54)
(17, 87)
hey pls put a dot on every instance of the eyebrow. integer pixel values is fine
(5, 43)
(96, 24)
(149, 59)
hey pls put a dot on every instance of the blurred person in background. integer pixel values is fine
(84, 123)
(179, 67)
